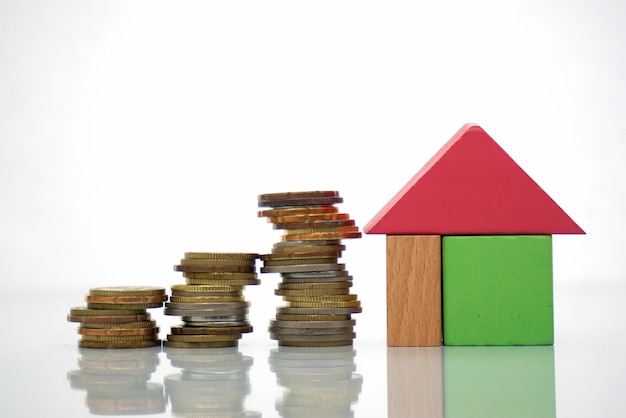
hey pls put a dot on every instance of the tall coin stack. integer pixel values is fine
(211, 303)
(314, 285)
(117, 317)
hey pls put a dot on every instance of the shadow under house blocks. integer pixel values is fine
(469, 250)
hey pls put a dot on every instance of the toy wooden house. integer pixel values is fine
(469, 250)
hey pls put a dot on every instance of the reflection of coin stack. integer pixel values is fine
(318, 381)
(211, 304)
(117, 381)
(117, 317)
(213, 382)
(315, 286)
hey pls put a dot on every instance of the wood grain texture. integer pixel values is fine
(414, 290)
(471, 187)
(415, 382)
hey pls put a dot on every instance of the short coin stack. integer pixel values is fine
(315, 286)
(117, 317)
(211, 303)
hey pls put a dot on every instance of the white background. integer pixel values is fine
(133, 131)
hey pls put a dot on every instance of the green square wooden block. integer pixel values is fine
(497, 290)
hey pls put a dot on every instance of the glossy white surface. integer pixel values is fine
(582, 375)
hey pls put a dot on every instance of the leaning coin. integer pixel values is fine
(307, 217)
(300, 202)
(298, 210)
(321, 236)
(308, 194)
(328, 224)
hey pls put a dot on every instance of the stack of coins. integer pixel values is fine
(211, 303)
(117, 381)
(315, 286)
(318, 382)
(117, 317)
(212, 383)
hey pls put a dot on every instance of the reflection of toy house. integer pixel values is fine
(469, 250)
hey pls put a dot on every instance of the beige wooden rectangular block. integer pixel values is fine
(414, 290)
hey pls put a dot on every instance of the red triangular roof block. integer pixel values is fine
(471, 187)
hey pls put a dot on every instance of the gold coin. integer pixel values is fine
(205, 288)
(319, 298)
(308, 217)
(298, 210)
(122, 311)
(311, 292)
(118, 337)
(220, 276)
(223, 256)
(127, 291)
(241, 282)
(217, 262)
(206, 299)
(320, 236)
(311, 317)
(118, 344)
(315, 343)
(126, 325)
(321, 304)
(309, 194)
(215, 269)
(214, 344)
(320, 286)
(126, 299)
(302, 255)
(296, 261)
(198, 338)
(340, 229)
(91, 319)
(100, 305)
(118, 331)
(337, 223)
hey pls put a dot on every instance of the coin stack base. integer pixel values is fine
(315, 286)
(117, 317)
(211, 303)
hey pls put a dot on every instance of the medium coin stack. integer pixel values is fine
(117, 317)
(314, 284)
(211, 303)
(117, 381)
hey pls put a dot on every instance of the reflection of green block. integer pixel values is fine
(496, 382)
(497, 290)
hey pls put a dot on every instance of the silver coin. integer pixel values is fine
(312, 324)
(317, 279)
(297, 268)
(213, 321)
(316, 274)
(319, 311)
(309, 331)
(334, 337)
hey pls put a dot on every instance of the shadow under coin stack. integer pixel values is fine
(212, 306)
(314, 285)
(117, 317)
(117, 381)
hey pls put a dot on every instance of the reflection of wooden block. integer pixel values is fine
(496, 382)
(414, 382)
(497, 290)
(413, 290)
